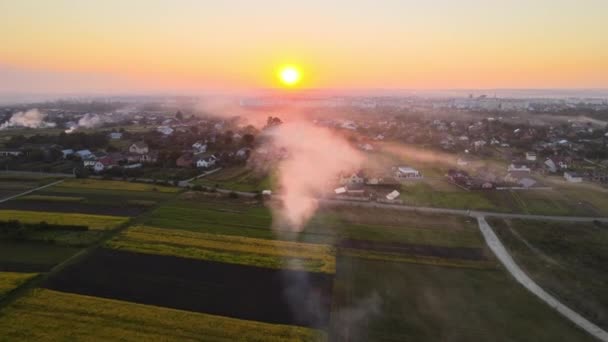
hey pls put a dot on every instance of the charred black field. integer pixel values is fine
(238, 291)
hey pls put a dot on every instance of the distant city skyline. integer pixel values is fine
(184, 46)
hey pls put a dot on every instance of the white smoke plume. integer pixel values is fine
(316, 156)
(87, 121)
(32, 118)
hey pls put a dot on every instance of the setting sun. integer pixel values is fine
(289, 75)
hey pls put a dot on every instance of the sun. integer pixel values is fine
(290, 75)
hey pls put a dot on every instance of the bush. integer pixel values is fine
(197, 187)
(233, 194)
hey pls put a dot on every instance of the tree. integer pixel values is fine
(248, 139)
(179, 115)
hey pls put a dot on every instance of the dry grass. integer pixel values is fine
(230, 249)
(49, 315)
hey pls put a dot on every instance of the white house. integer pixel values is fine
(115, 135)
(406, 172)
(6, 153)
(393, 195)
(354, 178)
(531, 156)
(166, 130)
(518, 168)
(572, 177)
(139, 147)
(206, 162)
(199, 147)
(83, 153)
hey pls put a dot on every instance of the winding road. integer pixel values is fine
(505, 258)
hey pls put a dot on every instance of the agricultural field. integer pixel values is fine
(239, 178)
(94, 222)
(32, 256)
(77, 317)
(11, 280)
(238, 291)
(227, 249)
(429, 303)
(115, 185)
(13, 184)
(566, 259)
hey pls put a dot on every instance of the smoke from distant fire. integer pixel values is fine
(30, 119)
(87, 121)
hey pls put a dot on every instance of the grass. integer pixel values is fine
(115, 185)
(49, 198)
(229, 249)
(47, 315)
(239, 178)
(27, 255)
(12, 280)
(99, 222)
(388, 301)
(417, 259)
(566, 259)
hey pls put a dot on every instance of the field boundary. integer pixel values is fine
(505, 258)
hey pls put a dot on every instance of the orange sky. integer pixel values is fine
(188, 45)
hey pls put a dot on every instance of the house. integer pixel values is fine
(199, 147)
(67, 152)
(531, 156)
(553, 164)
(573, 177)
(243, 153)
(185, 160)
(354, 178)
(165, 130)
(205, 161)
(393, 195)
(115, 135)
(340, 190)
(83, 154)
(518, 168)
(139, 147)
(527, 182)
(516, 176)
(7, 153)
(406, 172)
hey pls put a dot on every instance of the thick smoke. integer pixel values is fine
(315, 158)
(87, 121)
(31, 119)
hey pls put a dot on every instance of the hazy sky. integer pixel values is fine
(188, 45)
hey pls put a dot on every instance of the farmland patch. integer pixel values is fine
(101, 222)
(226, 248)
(57, 316)
(237, 291)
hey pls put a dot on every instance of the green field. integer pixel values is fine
(566, 259)
(239, 178)
(390, 301)
(228, 249)
(23, 254)
(95, 222)
(47, 315)
(115, 185)
(11, 280)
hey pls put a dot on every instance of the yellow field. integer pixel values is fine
(115, 185)
(95, 222)
(230, 249)
(12, 280)
(47, 315)
(52, 198)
